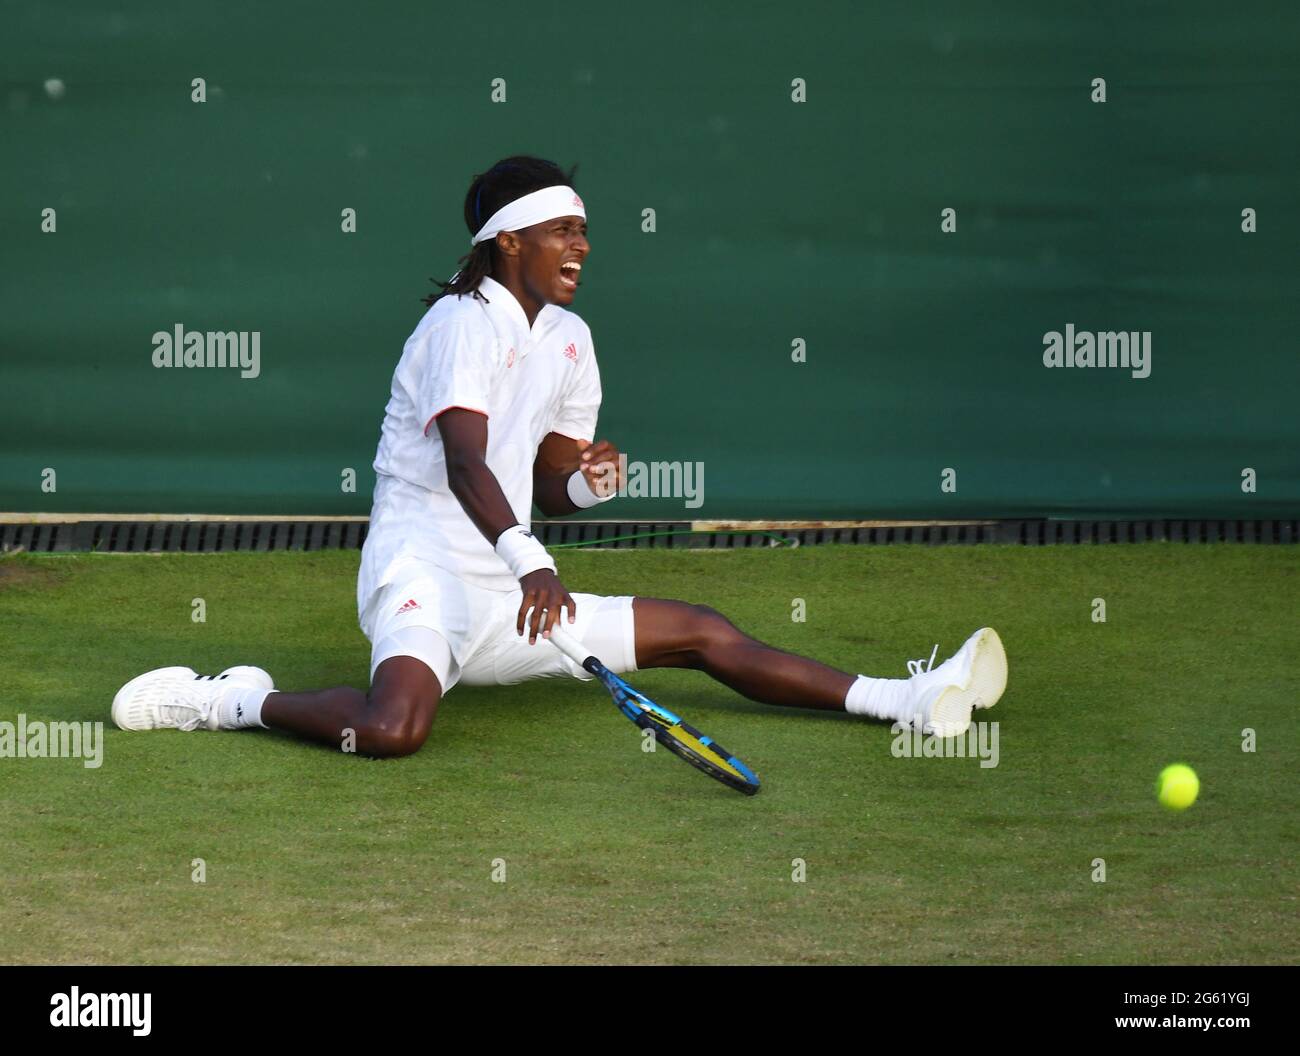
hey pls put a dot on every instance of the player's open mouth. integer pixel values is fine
(569, 274)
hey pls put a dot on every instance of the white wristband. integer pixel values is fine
(581, 495)
(521, 551)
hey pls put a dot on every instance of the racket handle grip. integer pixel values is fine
(569, 646)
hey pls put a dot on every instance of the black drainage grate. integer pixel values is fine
(213, 536)
(196, 537)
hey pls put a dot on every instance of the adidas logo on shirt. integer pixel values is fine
(410, 606)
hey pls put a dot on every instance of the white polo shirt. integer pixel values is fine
(484, 357)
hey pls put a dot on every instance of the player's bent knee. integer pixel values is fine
(682, 634)
(710, 631)
(715, 627)
(397, 726)
(386, 743)
(400, 708)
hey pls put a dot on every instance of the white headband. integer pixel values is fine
(535, 208)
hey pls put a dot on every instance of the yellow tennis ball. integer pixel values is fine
(1178, 786)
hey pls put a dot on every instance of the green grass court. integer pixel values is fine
(613, 855)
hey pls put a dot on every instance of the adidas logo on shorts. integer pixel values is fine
(410, 606)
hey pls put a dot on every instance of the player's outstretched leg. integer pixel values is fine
(934, 699)
(393, 719)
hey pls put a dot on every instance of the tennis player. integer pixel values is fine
(493, 410)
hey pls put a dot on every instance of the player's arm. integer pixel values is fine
(571, 475)
(464, 440)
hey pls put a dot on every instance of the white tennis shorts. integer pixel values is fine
(466, 633)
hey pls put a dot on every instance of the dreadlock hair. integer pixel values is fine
(507, 180)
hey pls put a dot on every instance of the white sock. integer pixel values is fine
(243, 710)
(878, 698)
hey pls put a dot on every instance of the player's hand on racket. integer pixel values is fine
(545, 595)
(601, 468)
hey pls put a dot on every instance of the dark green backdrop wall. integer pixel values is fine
(776, 220)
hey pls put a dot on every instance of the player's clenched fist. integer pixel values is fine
(545, 595)
(602, 468)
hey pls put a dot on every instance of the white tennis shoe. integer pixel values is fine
(178, 698)
(973, 677)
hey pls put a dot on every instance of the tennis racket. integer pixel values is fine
(686, 742)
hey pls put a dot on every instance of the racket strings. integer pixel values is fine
(683, 740)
